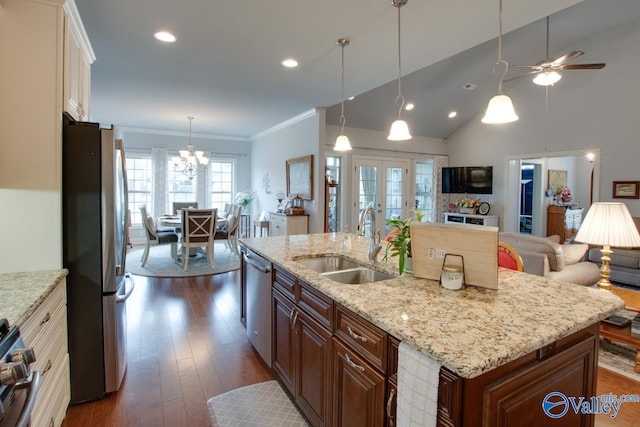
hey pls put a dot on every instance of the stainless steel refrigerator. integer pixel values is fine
(95, 224)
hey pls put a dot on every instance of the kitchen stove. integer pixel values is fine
(18, 385)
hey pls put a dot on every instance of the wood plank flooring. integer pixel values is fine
(186, 344)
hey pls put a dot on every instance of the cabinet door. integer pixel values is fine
(283, 360)
(313, 376)
(358, 390)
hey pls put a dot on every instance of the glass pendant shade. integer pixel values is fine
(399, 131)
(548, 78)
(342, 143)
(500, 110)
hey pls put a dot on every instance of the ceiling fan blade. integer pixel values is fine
(535, 67)
(566, 58)
(596, 66)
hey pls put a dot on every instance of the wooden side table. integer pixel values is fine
(623, 335)
(262, 225)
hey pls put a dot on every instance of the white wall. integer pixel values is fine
(31, 131)
(270, 151)
(587, 109)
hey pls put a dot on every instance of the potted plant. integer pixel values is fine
(399, 240)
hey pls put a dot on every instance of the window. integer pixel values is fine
(221, 173)
(139, 182)
(179, 187)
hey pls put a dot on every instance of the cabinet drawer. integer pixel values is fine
(316, 304)
(51, 405)
(362, 336)
(285, 282)
(40, 320)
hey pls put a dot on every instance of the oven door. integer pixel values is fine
(18, 401)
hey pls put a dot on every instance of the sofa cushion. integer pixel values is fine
(574, 253)
(629, 258)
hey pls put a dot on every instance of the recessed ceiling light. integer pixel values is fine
(165, 36)
(409, 106)
(452, 114)
(351, 98)
(290, 63)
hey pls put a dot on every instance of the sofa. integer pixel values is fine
(624, 264)
(544, 256)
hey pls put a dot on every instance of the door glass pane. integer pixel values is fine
(424, 189)
(368, 189)
(393, 194)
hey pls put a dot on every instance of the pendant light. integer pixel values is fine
(500, 109)
(399, 129)
(342, 142)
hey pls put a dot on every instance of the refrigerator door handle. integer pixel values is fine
(123, 298)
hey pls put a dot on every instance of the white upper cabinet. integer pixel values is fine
(78, 57)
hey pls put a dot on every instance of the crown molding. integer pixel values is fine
(182, 134)
(293, 120)
(75, 22)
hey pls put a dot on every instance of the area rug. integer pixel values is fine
(618, 358)
(160, 263)
(258, 405)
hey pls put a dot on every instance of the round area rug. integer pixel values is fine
(160, 263)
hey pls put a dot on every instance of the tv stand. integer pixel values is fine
(458, 218)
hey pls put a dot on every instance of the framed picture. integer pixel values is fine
(626, 189)
(557, 180)
(300, 177)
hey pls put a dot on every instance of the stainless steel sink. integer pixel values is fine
(356, 276)
(323, 264)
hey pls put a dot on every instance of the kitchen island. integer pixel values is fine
(472, 333)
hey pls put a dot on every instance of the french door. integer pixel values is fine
(382, 184)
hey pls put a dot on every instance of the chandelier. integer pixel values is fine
(189, 161)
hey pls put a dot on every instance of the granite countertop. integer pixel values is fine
(22, 293)
(470, 331)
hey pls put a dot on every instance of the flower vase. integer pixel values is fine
(408, 265)
(470, 211)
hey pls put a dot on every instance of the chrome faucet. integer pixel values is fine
(374, 244)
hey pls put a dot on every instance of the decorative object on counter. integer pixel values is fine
(452, 207)
(280, 196)
(452, 275)
(608, 224)
(243, 198)
(565, 195)
(297, 207)
(626, 189)
(468, 205)
(399, 240)
(484, 208)
(189, 161)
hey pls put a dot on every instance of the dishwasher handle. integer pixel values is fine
(257, 265)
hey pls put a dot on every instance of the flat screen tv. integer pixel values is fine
(469, 179)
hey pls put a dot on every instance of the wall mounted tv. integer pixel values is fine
(467, 179)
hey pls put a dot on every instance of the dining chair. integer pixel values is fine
(198, 229)
(508, 257)
(229, 231)
(176, 206)
(159, 228)
(156, 237)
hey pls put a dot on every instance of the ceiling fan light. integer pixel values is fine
(342, 143)
(548, 78)
(399, 131)
(500, 110)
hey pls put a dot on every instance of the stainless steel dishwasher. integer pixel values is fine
(258, 294)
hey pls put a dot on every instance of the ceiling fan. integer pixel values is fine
(547, 69)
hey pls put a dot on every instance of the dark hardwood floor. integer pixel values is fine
(186, 344)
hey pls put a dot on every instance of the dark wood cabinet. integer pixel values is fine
(358, 390)
(563, 222)
(302, 345)
(512, 394)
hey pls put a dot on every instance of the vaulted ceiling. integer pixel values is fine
(225, 69)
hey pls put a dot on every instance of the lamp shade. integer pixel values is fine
(609, 223)
(342, 143)
(399, 131)
(548, 78)
(500, 110)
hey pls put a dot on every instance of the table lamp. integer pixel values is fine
(608, 224)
